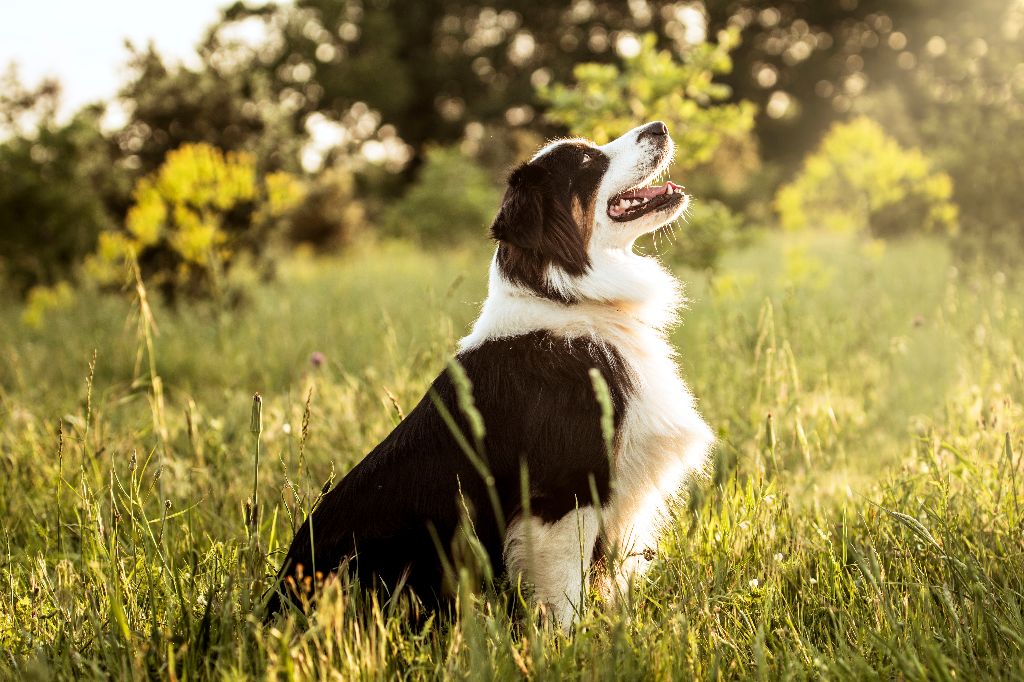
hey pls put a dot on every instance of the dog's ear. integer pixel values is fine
(520, 220)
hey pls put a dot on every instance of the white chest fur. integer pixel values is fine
(627, 302)
(662, 443)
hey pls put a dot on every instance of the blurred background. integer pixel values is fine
(208, 140)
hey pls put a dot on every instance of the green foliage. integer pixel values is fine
(192, 219)
(430, 67)
(228, 108)
(52, 199)
(870, 529)
(452, 199)
(965, 103)
(42, 299)
(862, 179)
(709, 230)
(330, 216)
(607, 99)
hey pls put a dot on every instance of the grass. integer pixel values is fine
(863, 519)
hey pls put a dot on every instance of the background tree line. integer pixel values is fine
(350, 119)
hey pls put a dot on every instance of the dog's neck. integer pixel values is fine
(620, 286)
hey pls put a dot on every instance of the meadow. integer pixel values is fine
(862, 520)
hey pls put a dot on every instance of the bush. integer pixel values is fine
(607, 100)
(52, 204)
(193, 218)
(709, 230)
(452, 199)
(862, 179)
(329, 216)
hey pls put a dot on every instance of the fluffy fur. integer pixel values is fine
(566, 295)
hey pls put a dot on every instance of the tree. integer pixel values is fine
(806, 64)
(433, 66)
(229, 109)
(964, 101)
(59, 181)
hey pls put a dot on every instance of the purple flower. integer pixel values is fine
(317, 359)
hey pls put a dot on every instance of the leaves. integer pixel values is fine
(452, 198)
(860, 178)
(607, 100)
(187, 211)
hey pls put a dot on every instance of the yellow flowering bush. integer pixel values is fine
(862, 179)
(194, 217)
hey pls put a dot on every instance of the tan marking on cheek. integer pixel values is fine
(584, 217)
(578, 214)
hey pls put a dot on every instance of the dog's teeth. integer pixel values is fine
(623, 204)
(669, 190)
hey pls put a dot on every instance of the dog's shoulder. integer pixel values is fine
(541, 364)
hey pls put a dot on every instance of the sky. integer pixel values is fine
(81, 42)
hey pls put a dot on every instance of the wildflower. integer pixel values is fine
(317, 359)
(754, 583)
(778, 556)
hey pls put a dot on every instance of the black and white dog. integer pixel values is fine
(567, 294)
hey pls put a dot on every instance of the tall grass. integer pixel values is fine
(863, 518)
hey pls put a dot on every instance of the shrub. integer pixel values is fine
(52, 200)
(42, 298)
(608, 99)
(193, 218)
(862, 179)
(709, 230)
(452, 198)
(329, 216)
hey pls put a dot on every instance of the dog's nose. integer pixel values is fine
(655, 129)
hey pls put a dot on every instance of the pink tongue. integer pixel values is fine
(651, 192)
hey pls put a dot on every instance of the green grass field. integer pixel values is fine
(863, 519)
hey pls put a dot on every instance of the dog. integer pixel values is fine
(529, 464)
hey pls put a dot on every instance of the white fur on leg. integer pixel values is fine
(554, 558)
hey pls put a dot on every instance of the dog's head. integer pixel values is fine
(574, 198)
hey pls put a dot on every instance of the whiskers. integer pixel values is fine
(668, 230)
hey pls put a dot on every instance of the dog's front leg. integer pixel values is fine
(554, 559)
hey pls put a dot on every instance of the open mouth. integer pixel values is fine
(632, 204)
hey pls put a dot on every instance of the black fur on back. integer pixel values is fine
(537, 401)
